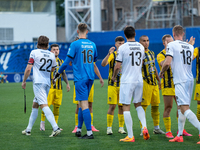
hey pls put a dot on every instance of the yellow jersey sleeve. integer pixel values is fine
(160, 58)
(196, 52)
(111, 57)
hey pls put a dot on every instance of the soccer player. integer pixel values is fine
(43, 63)
(168, 90)
(180, 54)
(113, 88)
(150, 85)
(197, 86)
(129, 58)
(55, 93)
(83, 54)
(90, 101)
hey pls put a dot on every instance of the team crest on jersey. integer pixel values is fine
(110, 99)
(142, 99)
(197, 94)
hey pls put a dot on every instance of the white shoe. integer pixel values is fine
(109, 131)
(24, 132)
(158, 131)
(42, 126)
(121, 130)
(55, 133)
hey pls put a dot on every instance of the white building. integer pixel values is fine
(26, 20)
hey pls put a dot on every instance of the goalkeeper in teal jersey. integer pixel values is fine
(82, 53)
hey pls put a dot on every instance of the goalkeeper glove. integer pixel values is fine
(55, 78)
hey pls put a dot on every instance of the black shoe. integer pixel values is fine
(78, 134)
(87, 137)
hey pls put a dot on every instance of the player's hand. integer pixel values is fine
(161, 75)
(113, 79)
(68, 87)
(55, 78)
(159, 85)
(23, 85)
(111, 50)
(192, 40)
(101, 82)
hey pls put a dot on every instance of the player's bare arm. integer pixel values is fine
(66, 81)
(26, 75)
(158, 79)
(105, 60)
(165, 66)
(96, 70)
(116, 70)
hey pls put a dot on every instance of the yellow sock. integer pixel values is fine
(121, 120)
(43, 116)
(167, 123)
(76, 119)
(155, 115)
(91, 118)
(56, 112)
(198, 111)
(145, 108)
(109, 120)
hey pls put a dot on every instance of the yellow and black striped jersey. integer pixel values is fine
(112, 61)
(149, 68)
(167, 81)
(196, 54)
(58, 84)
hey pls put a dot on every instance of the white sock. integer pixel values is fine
(181, 123)
(32, 119)
(157, 127)
(129, 123)
(141, 116)
(192, 118)
(78, 130)
(89, 132)
(42, 121)
(50, 117)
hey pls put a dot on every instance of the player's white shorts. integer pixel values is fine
(41, 92)
(129, 91)
(183, 92)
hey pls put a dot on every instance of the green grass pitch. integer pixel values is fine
(13, 121)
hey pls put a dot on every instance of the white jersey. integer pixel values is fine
(131, 54)
(182, 55)
(42, 61)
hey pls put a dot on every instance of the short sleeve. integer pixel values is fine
(196, 51)
(72, 50)
(110, 58)
(160, 58)
(54, 64)
(119, 55)
(169, 50)
(31, 58)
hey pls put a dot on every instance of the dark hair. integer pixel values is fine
(82, 27)
(178, 30)
(54, 45)
(43, 42)
(129, 32)
(119, 38)
(143, 36)
(165, 36)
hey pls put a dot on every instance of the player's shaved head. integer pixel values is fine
(165, 36)
(141, 38)
(82, 27)
(178, 30)
(43, 42)
(129, 32)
